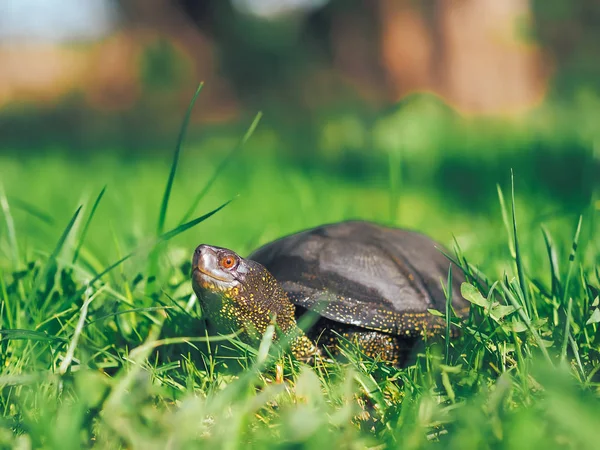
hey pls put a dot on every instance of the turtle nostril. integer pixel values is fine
(198, 254)
(204, 256)
(203, 249)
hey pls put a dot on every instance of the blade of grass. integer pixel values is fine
(223, 164)
(32, 210)
(30, 335)
(66, 362)
(505, 219)
(448, 307)
(63, 237)
(52, 260)
(165, 201)
(192, 223)
(554, 274)
(575, 350)
(572, 260)
(87, 224)
(563, 351)
(518, 259)
(162, 215)
(554, 268)
(10, 228)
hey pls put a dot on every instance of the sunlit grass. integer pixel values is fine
(91, 356)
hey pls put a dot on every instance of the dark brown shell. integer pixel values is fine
(363, 274)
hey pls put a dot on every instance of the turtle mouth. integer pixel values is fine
(211, 275)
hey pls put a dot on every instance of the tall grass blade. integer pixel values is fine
(554, 267)
(572, 260)
(10, 228)
(66, 362)
(223, 164)
(169, 186)
(63, 237)
(563, 351)
(505, 220)
(51, 263)
(448, 310)
(518, 259)
(162, 215)
(575, 350)
(29, 335)
(87, 224)
(192, 223)
(32, 210)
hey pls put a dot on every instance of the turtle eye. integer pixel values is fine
(227, 261)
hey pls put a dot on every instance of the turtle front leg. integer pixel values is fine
(304, 349)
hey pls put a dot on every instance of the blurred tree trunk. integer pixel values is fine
(474, 53)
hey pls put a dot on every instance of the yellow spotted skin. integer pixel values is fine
(251, 307)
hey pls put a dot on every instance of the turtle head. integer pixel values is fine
(237, 293)
(218, 268)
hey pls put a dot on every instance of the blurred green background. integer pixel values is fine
(402, 112)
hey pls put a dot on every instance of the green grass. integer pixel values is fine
(91, 356)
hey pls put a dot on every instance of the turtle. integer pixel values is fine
(367, 283)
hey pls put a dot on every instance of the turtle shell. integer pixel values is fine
(363, 274)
